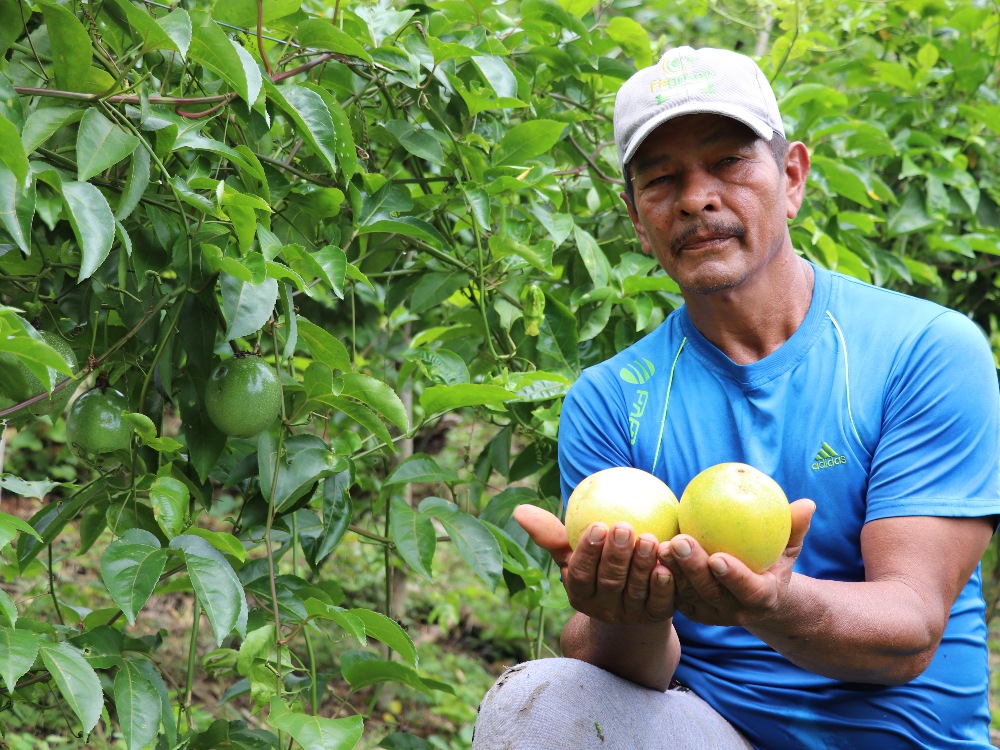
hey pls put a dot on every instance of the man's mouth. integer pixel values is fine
(701, 238)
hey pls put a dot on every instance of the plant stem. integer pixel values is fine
(52, 589)
(313, 680)
(192, 662)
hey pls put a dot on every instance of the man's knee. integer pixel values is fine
(566, 703)
(536, 701)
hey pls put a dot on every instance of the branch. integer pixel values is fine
(118, 99)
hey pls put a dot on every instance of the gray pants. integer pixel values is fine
(566, 704)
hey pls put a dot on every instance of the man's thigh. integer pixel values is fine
(552, 704)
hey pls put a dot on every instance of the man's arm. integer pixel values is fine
(884, 630)
(623, 598)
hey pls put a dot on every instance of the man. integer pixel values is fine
(880, 408)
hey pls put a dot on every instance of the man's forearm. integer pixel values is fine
(644, 654)
(880, 632)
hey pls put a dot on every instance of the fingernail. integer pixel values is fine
(621, 536)
(597, 534)
(662, 579)
(645, 548)
(681, 548)
(718, 566)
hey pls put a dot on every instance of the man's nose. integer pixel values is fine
(698, 193)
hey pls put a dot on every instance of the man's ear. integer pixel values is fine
(796, 172)
(634, 216)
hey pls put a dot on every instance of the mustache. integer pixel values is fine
(712, 228)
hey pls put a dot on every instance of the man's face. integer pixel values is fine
(711, 203)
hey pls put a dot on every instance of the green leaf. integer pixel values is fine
(12, 150)
(343, 144)
(311, 117)
(247, 307)
(155, 679)
(527, 140)
(337, 513)
(559, 326)
(442, 398)
(11, 23)
(17, 208)
(315, 732)
(48, 522)
(146, 28)
(10, 524)
(420, 468)
(324, 346)
(211, 47)
(418, 141)
(38, 489)
(387, 630)
(414, 536)
(360, 414)
(321, 34)
(7, 608)
(408, 226)
(18, 650)
(215, 584)
(594, 259)
(226, 543)
(377, 395)
(474, 542)
(910, 215)
(70, 45)
(138, 704)
(257, 645)
(305, 461)
(444, 367)
(362, 669)
(338, 615)
(43, 123)
(100, 144)
(497, 75)
(38, 356)
(177, 25)
(170, 499)
(633, 39)
(244, 12)
(93, 224)
(842, 180)
(135, 184)
(434, 288)
(131, 567)
(76, 680)
(102, 646)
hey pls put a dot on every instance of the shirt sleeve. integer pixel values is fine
(939, 451)
(593, 430)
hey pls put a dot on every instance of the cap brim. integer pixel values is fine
(757, 125)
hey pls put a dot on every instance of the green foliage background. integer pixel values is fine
(412, 212)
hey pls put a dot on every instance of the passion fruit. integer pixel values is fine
(243, 396)
(622, 493)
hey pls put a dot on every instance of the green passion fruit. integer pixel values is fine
(243, 396)
(53, 404)
(95, 429)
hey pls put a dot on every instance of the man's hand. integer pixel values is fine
(609, 576)
(721, 590)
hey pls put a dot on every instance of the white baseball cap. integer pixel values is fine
(689, 81)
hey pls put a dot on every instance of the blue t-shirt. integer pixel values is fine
(879, 405)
